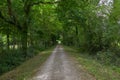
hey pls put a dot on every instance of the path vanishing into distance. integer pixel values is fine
(59, 66)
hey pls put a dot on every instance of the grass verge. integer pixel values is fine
(93, 67)
(28, 68)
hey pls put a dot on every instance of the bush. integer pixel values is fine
(9, 60)
(108, 57)
(31, 52)
(13, 58)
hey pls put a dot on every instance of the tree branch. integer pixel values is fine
(13, 17)
(9, 21)
(3, 18)
(41, 2)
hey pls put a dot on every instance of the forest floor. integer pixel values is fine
(60, 66)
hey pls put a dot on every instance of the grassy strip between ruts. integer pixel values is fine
(28, 68)
(93, 67)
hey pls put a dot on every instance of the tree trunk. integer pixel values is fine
(77, 38)
(8, 41)
(24, 40)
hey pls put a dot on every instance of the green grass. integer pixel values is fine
(28, 68)
(93, 67)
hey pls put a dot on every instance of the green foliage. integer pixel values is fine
(27, 68)
(108, 58)
(92, 27)
(95, 67)
(87, 23)
(115, 12)
(10, 60)
(25, 28)
(13, 58)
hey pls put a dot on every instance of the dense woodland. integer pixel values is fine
(28, 26)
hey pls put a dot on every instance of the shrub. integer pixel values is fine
(108, 57)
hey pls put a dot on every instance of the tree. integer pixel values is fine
(19, 15)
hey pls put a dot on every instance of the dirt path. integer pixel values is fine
(60, 67)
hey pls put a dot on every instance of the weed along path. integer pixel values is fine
(59, 66)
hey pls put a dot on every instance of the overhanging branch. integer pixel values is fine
(41, 2)
(9, 21)
(3, 18)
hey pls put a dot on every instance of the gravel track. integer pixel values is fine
(60, 67)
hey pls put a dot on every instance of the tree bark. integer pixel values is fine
(24, 40)
(8, 41)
